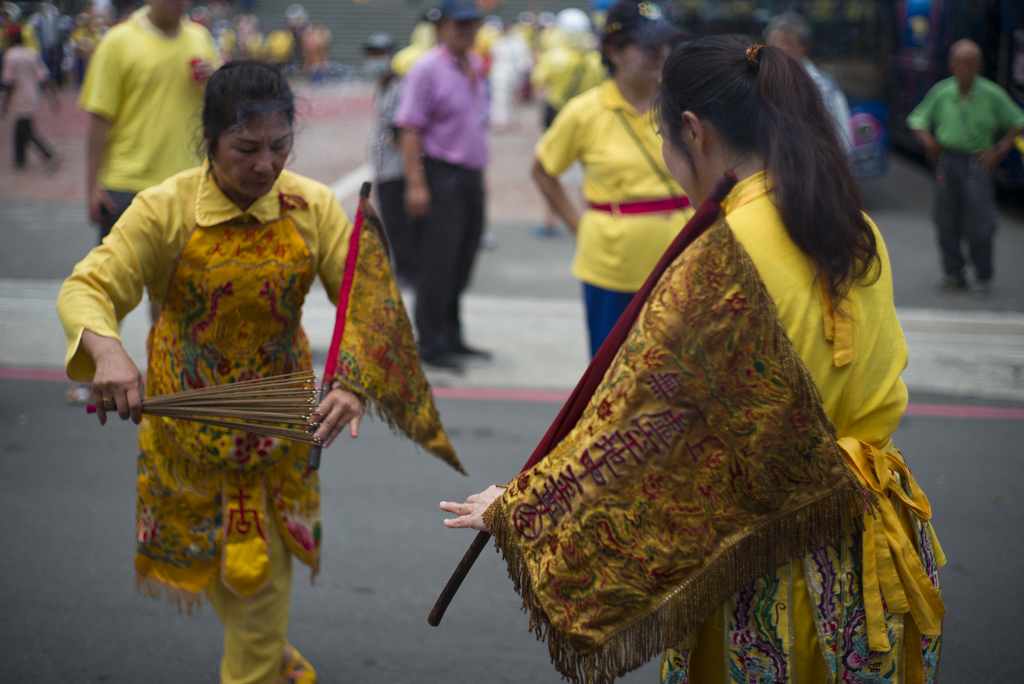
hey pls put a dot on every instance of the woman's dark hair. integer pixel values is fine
(767, 104)
(241, 91)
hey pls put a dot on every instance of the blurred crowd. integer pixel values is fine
(66, 43)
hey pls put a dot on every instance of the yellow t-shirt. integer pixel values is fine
(255, 46)
(143, 247)
(280, 45)
(613, 252)
(865, 397)
(423, 37)
(140, 81)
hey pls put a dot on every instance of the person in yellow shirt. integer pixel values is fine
(422, 38)
(567, 68)
(83, 39)
(231, 249)
(280, 46)
(796, 257)
(143, 91)
(634, 207)
(570, 67)
(724, 103)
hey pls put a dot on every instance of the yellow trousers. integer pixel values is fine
(256, 630)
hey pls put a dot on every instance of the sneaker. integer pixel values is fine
(295, 669)
(470, 354)
(544, 231)
(953, 282)
(982, 289)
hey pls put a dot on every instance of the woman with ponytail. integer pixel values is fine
(729, 493)
(798, 213)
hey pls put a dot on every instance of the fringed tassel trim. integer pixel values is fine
(383, 412)
(674, 621)
(185, 601)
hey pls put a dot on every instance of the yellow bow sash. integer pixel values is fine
(891, 565)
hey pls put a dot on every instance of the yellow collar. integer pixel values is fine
(213, 206)
(746, 191)
(141, 16)
(613, 99)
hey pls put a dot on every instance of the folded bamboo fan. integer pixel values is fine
(282, 406)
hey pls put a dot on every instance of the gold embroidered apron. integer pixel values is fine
(207, 494)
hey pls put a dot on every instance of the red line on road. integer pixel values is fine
(478, 394)
(43, 374)
(953, 411)
(557, 397)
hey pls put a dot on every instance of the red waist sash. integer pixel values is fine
(643, 206)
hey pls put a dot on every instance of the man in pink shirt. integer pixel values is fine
(443, 117)
(23, 75)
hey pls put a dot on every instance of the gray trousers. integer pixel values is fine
(965, 209)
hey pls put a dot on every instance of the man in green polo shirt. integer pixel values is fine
(957, 122)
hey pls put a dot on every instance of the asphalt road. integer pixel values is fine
(67, 523)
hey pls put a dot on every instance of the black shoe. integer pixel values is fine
(470, 354)
(953, 282)
(449, 362)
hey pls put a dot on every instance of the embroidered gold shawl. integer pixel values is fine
(704, 459)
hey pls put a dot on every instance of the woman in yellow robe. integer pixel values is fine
(229, 250)
(865, 607)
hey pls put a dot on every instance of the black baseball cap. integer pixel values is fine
(460, 10)
(644, 23)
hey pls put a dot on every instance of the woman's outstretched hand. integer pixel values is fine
(471, 513)
(338, 409)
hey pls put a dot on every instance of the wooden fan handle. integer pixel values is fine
(313, 460)
(448, 593)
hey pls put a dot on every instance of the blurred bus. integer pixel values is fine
(854, 42)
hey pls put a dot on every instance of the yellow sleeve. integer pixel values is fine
(562, 144)
(109, 282)
(334, 231)
(540, 74)
(103, 88)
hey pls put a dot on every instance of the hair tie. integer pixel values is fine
(754, 55)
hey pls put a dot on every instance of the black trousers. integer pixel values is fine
(449, 238)
(23, 135)
(122, 200)
(965, 211)
(400, 229)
